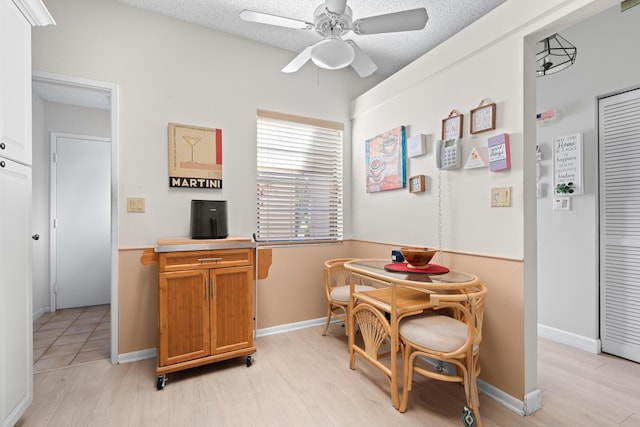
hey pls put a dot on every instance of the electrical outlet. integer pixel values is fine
(501, 197)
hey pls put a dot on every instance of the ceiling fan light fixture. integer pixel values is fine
(332, 53)
(555, 55)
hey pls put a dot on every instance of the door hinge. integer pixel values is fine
(55, 288)
(55, 223)
(55, 158)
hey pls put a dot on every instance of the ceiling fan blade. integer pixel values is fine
(363, 65)
(407, 20)
(298, 61)
(336, 6)
(280, 21)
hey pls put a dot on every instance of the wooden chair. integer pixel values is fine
(336, 284)
(451, 332)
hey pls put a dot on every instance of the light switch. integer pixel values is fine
(501, 197)
(135, 204)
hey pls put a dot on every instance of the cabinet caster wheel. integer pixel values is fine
(249, 362)
(162, 381)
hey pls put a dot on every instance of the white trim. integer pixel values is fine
(35, 12)
(113, 91)
(532, 401)
(569, 338)
(291, 327)
(39, 312)
(135, 356)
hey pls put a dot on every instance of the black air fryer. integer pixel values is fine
(209, 219)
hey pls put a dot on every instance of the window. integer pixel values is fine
(299, 178)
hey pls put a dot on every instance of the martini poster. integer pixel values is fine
(195, 156)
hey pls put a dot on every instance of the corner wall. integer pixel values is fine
(485, 61)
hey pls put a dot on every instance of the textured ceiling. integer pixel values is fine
(391, 51)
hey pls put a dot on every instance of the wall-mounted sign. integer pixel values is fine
(499, 152)
(483, 118)
(452, 126)
(567, 163)
(195, 157)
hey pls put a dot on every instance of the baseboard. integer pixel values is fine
(134, 356)
(293, 326)
(151, 352)
(569, 338)
(42, 310)
(532, 401)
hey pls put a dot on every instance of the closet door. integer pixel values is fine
(16, 318)
(619, 132)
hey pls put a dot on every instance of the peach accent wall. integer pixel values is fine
(294, 292)
(137, 303)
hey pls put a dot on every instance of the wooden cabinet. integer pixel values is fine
(205, 308)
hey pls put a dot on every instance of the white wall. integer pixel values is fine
(171, 71)
(53, 117)
(568, 252)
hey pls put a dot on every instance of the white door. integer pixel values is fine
(81, 220)
(619, 132)
(16, 321)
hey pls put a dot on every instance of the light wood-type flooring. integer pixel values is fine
(301, 378)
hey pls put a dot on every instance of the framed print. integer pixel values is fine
(385, 161)
(452, 126)
(567, 165)
(416, 184)
(195, 156)
(483, 118)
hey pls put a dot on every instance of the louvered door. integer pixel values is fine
(619, 131)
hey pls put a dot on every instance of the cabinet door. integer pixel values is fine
(15, 84)
(183, 301)
(16, 313)
(231, 309)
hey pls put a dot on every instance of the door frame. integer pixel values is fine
(112, 90)
(53, 209)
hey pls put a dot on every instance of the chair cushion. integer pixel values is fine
(341, 293)
(435, 332)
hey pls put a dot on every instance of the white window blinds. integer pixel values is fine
(299, 179)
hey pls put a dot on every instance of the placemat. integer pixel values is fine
(403, 267)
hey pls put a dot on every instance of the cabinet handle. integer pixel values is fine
(209, 259)
(206, 289)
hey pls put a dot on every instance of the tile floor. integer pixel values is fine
(71, 336)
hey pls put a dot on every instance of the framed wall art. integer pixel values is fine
(385, 161)
(567, 164)
(452, 126)
(195, 156)
(417, 184)
(483, 118)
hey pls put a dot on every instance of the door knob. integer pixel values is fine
(36, 237)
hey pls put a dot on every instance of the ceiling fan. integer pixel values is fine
(332, 20)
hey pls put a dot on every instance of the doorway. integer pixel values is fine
(80, 226)
(79, 92)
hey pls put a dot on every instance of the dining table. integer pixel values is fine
(400, 291)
